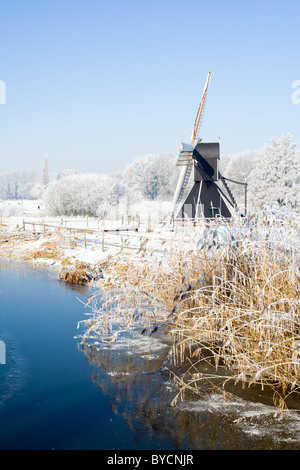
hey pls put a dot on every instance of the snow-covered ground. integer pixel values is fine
(27, 233)
(21, 208)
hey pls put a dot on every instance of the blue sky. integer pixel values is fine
(95, 84)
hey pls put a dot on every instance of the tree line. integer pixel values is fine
(272, 174)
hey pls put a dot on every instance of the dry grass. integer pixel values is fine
(244, 317)
(80, 273)
(49, 247)
(7, 239)
(49, 250)
(232, 309)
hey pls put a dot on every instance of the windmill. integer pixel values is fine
(206, 198)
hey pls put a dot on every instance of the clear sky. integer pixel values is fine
(95, 84)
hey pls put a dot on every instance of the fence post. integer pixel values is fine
(103, 240)
(84, 239)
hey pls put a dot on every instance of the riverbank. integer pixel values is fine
(74, 262)
(54, 396)
(227, 293)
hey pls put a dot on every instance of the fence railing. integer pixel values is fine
(104, 234)
(3, 222)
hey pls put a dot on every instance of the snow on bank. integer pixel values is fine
(68, 243)
(54, 248)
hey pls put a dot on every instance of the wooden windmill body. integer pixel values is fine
(206, 198)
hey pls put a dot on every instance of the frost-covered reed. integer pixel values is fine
(227, 293)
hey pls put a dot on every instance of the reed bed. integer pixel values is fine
(226, 294)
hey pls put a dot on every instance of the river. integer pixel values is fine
(55, 396)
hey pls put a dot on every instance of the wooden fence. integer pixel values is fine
(104, 235)
(3, 222)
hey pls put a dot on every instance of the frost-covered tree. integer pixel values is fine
(154, 176)
(66, 172)
(37, 190)
(83, 194)
(272, 173)
(275, 176)
(238, 168)
(17, 184)
(46, 171)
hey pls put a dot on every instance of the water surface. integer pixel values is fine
(55, 396)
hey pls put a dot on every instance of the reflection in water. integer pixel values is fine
(13, 373)
(132, 373)
(24, 270)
